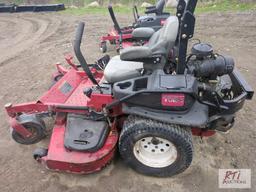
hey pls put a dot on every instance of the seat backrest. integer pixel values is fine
(170, 29)
(166, 36)
(160, 7)
(159, 44)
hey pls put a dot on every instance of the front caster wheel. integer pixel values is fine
(103, 47)
(34, 125)
(39, 153)
(155, 148)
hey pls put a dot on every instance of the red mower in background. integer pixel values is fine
(130, 36)
(138, 101)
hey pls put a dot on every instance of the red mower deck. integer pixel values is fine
(61, 159)
(67, 96)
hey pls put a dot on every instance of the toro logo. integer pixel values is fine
(173, 99)
(163, 22)
(235, 178)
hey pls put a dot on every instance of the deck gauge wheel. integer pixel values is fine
(34, 125)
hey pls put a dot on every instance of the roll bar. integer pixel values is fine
(180, 8)
(186, 32)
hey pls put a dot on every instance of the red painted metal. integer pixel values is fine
(69, 60)
(63, 89)
(61, 69)
(19, 128)
(163, 21)
(114, 36)
(28, 108)
(67, 92)
(98, 101)
(62, 159)
(67, 96)
(60, 118)
(202, 132)
(126, 44)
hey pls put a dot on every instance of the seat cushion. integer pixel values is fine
(118, 70)
(142, 33)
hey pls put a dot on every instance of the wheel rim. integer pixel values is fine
(155, 152)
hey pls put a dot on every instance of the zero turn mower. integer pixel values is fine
(138, 102)
(127, 36)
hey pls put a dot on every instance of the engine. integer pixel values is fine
(212, 70)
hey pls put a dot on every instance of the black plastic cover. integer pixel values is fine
(85, 135)
(147, 91)
(196, 116)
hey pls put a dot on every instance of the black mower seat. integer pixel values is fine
(129, 64)
(159, 43)
(158, 9)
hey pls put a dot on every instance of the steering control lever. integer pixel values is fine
(79, 55)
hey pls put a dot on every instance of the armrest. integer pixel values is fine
(143, 33)
(151, 7)
(135, 53)
(153, 10)
(144, 53)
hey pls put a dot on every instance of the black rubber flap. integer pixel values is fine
(85, 135)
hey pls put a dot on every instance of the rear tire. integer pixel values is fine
(155, 148)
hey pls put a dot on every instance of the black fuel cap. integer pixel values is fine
(202, 50)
